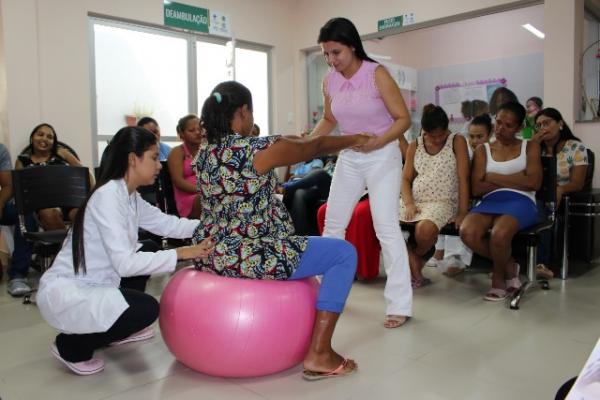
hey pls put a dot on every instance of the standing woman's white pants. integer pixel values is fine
(380, 172)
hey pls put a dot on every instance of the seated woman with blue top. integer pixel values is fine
(254, 234)
(151, 124)
(506, 174)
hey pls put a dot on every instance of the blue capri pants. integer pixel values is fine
(335, 259)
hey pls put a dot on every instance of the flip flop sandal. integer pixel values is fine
(394, 321)
(419, 283)
(544, 272)
(512, 285)
(495, 294)
(335, 373)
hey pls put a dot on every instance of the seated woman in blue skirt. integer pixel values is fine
(506, 173)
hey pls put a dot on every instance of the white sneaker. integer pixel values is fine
(18, 287)
(88, 367)
(433, 262)
(453, 266)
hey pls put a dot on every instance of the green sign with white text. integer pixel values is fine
(186, 17)
(388, 23)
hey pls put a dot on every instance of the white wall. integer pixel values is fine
(3, 111)
(47, 58)
(484, 38)
(46, 47)
(588, 133)
(562, 46)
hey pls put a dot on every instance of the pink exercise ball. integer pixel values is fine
(233, 327)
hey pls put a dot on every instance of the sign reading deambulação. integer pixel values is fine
(186, 17)
(388, 23)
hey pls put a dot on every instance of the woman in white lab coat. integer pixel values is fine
(80, 294)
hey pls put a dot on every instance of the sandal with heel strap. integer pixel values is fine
(495, 294)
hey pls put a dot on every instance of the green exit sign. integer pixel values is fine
(186, 17)
(388, 23)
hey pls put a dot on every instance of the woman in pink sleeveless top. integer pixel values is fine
(361, 97)
(180, 166)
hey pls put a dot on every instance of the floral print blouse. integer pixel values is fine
(571, 155)
(252, 229)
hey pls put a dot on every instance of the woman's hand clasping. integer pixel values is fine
(198, 251)
(373, 142)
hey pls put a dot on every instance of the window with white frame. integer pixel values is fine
(165, 74)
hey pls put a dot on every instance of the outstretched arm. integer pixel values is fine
(291, 150)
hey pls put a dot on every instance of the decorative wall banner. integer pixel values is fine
(449, 96)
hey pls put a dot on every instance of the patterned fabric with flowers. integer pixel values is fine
(252, 228)
(572, 154)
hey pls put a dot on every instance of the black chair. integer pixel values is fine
(581, 211)
(161, 195)
(51, 186)
(531, 236)
(166, 195)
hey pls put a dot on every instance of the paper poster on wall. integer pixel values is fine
(451, 95)
(219, 24)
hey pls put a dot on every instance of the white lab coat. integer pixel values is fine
(92, 302)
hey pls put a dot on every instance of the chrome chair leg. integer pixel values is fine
(564, 268)
(531, 282)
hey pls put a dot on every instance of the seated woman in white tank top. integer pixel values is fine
(506, 173)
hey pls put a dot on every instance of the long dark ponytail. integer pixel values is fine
(219, 108)
(131, 139)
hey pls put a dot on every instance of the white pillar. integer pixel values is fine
(563, 22)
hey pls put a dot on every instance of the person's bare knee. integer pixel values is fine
(72, 214)
(426, 233)
(471, 232)
(51, 219)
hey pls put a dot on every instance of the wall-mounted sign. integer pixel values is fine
(219, 24)
(408, 19)
(186, 17)
(389, 23)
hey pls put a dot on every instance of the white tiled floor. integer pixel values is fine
(456, 347)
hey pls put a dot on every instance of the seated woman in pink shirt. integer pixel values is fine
(180, 166)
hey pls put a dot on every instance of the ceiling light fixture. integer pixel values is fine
(534, 30)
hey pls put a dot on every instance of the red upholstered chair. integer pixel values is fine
(361, 234)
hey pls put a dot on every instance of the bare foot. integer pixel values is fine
(328, 362)
(511, 270)
(394, 321)
(416, 264)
